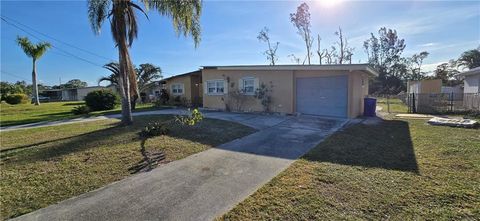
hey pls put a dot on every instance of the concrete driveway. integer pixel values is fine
(205, 185)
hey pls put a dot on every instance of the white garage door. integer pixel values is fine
(325, 96)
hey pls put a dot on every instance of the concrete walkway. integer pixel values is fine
(205, 185)
(248, 119)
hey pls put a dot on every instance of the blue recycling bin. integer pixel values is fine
(369, 107)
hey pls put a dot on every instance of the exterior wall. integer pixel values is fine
(283, 92)
(472, 84)
(431, 86)
(82, 92)
(187, 87)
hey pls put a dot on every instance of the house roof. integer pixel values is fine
(335, 67)
(182, 75)
(472, 71)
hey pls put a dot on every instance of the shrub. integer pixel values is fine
(164, 97)
(81, 110)
(16, 99)
(154, 129)
(190, 120)
(101, 100)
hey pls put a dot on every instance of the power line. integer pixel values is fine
(14, 75)
(64, 51)
(56, 39)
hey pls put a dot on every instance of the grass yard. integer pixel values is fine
(51, 111)
(396, 105)
(42, 166)
(396, 170)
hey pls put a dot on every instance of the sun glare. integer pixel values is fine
(328, 3)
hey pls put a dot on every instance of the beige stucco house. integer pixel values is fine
(325, 90)
(186, 87)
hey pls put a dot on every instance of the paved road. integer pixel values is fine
(205, 185)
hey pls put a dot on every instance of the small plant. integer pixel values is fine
(154, 129)
(16, 99)
(101, 100)
(79, 110)
(190, 120)
(262, 93)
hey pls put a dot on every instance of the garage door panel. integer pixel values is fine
(325, 96)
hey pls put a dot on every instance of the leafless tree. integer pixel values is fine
(272, 49)
(321, 54)
(301, 20)
(345, 52)
(294, 58)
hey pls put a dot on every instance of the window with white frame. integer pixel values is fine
(215, 86)
(177, 88)
(248, 85)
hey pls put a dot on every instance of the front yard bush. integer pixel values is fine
(101, 100)
(16, 99)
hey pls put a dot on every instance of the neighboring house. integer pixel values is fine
(152, 90)
(471, 89)
(325, 90)
(425, 86)
(185, 87)
(471, 82)
(71, 94)
(458, 89)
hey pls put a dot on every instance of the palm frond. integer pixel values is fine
(34, 51)
(97, 13)
(185, 15)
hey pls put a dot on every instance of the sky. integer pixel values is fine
(229, 35)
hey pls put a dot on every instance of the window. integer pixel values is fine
(248, 85)
(177, 88)
(215, 87)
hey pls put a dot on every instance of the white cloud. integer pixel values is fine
(430, 44)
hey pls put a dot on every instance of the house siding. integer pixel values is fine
(283, 93)
(187, 87)
(472, 84)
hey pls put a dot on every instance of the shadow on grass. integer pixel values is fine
(65, 146)
(208, 132)
(74, 104)
(65, 113)
(385, 145)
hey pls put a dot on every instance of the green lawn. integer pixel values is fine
(396, 170)
(42, 166)
(396, 105)
(29, 113)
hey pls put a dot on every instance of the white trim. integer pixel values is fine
(339, 67)
(215, 81)
(182, 86)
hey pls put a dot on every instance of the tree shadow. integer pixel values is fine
(74, 104)
(65, 146)
(387, 145)
(65, 113)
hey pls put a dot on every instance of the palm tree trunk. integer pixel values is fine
(34, 84)
(125, 66)
(125, 84)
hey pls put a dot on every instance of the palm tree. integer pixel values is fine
(35, 51)
(185, 15)
(146, 74)
(113, 67)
